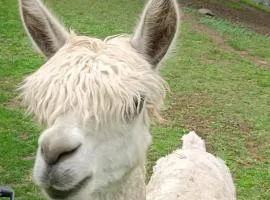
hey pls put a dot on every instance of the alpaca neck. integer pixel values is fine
(129, 188)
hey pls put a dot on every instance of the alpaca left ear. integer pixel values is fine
(156, 30)
(43, 28)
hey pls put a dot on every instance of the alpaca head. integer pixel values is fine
(95, 97)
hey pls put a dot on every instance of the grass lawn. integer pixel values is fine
(219, 77)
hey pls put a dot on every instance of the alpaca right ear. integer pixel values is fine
(42, 27)
(156, 30)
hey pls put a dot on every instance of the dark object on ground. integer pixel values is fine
(206, 11)
(7, 192)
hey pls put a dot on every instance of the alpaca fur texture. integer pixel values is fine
(92, 77)
(191, 173)
(95, 97)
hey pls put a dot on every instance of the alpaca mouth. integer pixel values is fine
(63, 194)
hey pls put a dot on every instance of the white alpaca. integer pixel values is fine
(96, 98)
(191, 173)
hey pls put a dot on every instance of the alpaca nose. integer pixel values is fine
(55, 145)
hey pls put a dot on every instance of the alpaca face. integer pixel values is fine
(96, 98)
(73, 161)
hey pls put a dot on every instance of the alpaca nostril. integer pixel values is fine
(52, 156)
(66, 154)
(56, 143)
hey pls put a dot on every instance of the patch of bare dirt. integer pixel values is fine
(28, 178)
(252, 147)
(24, 136)
(256, 19)
(183, 110)
(243, 127)
(30, 156)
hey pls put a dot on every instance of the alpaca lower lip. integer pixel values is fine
(63, 194)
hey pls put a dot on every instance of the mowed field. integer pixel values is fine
(219, 74)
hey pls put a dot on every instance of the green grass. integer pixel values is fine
(217, 92)
(237, 5)
(240, 37)
(240, 4)
(256, 5)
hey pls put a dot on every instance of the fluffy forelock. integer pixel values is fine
(98, 80)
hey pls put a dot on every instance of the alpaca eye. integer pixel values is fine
(131, 113)
(139, 103)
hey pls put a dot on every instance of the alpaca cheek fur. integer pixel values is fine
(119, 155)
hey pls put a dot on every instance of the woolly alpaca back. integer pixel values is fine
(193, 142)
(191, 174)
